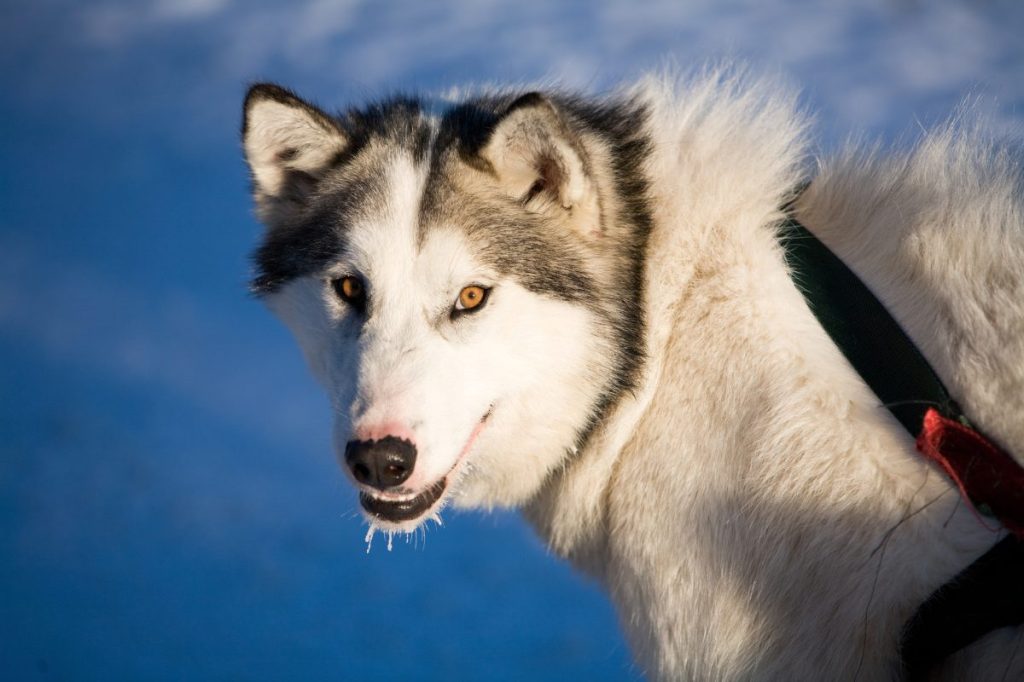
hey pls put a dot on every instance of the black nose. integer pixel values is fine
(381, 463)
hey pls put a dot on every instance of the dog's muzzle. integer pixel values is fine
(385, 464)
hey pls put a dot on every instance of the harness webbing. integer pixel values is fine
(988, 594)
(985, 596)
(865, 332)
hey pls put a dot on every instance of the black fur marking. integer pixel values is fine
(398, 121)
(315, 238)
(530, 99)
(290, 252)
(466, 128)
(622, 127)
(323, 205)
(523, 250)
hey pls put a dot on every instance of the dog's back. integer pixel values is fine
(938, 234)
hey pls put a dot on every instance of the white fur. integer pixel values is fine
(748, 510)
(751, 508)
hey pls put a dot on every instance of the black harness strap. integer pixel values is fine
(865, 332)
(985, 596)
(988, 594)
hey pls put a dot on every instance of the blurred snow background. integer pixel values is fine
(169, 506)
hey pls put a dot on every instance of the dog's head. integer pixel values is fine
(466, 286)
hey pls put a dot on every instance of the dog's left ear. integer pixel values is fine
(539, 162)
(289, 144)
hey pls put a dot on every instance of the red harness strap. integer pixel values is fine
(989, 479)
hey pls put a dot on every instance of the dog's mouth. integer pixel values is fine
(400, 510)
(393, 509)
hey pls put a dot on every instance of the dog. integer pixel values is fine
(579, 307)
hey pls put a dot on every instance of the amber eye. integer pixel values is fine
(351, 290)
(471, 299)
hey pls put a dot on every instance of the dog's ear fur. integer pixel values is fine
(541, 163)
(289, 144)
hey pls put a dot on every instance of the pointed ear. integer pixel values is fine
(288, 145)
(539, 161)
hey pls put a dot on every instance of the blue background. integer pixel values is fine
(169, 506)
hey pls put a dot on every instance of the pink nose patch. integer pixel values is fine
(378, 431)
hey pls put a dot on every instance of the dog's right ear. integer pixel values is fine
(289, 144)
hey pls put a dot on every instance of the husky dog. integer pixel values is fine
(580, 307)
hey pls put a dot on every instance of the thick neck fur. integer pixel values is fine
(723, 158)
(751, 494)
